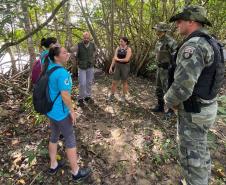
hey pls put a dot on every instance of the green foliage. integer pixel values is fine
(3, 174)
(31, 156)
(151, 67)
(28, 107)
(157, 159)
(168, 152)
(32, 153)
(120, 167)
(42, 150)
(222, 107)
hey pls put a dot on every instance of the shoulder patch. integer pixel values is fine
(66, 81)
(188, 52)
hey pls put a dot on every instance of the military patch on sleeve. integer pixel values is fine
(188, 52)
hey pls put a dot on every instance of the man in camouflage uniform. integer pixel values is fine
(224, 49)
(164, 49)
(195, 56)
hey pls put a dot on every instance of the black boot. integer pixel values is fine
(88, 100)
(80, 103)
(169, 114)
(159, 107)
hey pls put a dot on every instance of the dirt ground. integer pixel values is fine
(124, 144)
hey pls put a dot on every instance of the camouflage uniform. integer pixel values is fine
(193, 56)
(164, 48)
(224, 49)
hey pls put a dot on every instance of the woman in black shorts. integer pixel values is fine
(120, 67)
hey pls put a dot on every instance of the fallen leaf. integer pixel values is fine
(58, 157)
(21, 181)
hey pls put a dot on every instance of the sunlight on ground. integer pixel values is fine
(157, 140)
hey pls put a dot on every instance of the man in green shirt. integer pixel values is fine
(84, 53)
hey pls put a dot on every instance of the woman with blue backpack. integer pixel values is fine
(62, 115)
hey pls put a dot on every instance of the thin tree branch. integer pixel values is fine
(8, 44)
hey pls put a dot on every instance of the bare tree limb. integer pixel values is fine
(16, 88)
(8, 44)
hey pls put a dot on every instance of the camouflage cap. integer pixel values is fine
(194, 13)
(161, 26)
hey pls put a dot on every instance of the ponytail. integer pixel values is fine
(46, 42)
(54, 51)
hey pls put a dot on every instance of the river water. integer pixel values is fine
(5, 62)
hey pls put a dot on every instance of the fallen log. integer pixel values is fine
(14, 87)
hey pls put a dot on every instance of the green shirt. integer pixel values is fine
(86, 55)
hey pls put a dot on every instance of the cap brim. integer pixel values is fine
(207, 22)
(157, 29)
(183, 16)
(177, 17)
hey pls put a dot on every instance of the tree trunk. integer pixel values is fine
(55, 23)
(140, 31)
(112, 27)
(68, 41)
(27, 26)
(93, 33)
(164, 10)
(30, 43)
(13, 61)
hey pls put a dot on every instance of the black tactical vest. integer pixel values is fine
(212, 77)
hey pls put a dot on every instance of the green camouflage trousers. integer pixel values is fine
(161, 83)
(193, 145)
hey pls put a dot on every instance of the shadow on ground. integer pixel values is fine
(124, 144)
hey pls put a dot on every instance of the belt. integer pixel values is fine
(206, 104)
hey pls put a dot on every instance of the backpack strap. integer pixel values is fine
(56, 97)
(48, 73)
(52, 70)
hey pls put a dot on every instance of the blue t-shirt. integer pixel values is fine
(43, 55)
(59, 80)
